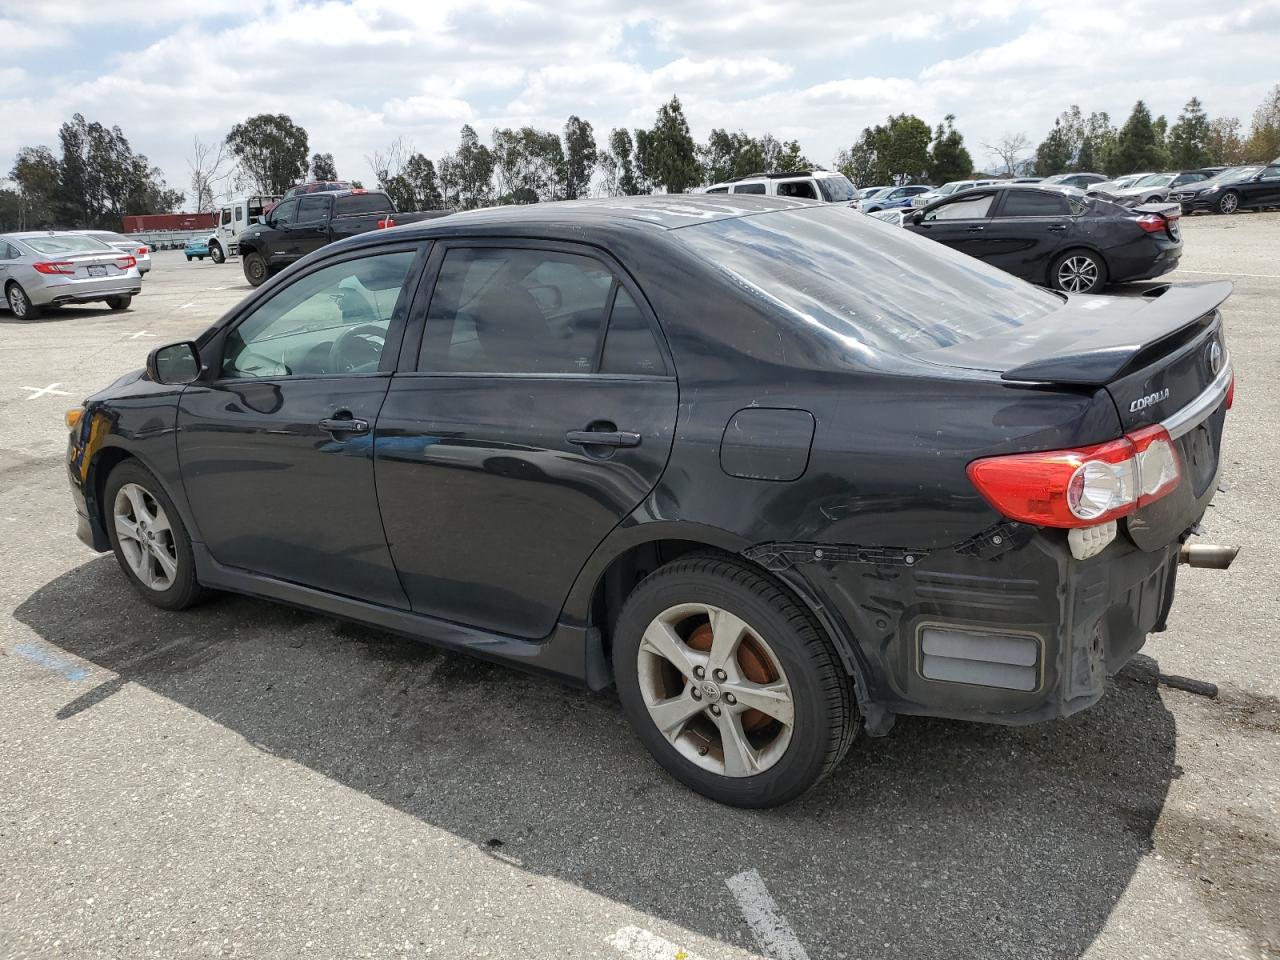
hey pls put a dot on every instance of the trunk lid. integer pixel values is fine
(1161, 358)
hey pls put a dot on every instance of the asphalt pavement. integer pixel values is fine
(248, 780)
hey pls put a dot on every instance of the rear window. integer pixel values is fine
(360, 204)
(67, 244)
(865, 282)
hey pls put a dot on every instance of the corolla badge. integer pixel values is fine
(1150, 400)
(1214, 357)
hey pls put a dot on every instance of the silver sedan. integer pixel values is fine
(141, 252)
(49, 269)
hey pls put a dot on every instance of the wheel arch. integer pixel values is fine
(103, 462)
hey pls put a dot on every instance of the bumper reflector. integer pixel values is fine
(1086, 542)
(986, 659)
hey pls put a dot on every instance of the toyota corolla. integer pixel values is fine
(777, 471)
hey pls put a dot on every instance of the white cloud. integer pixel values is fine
(357, 75)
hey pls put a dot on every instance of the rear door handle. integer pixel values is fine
(976, 229)
(595, 438)
(347, 424)
(1058, 227)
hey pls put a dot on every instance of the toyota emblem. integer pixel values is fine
(1215, 357)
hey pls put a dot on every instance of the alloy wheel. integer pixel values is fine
(1229, 203)
(1077, 274)
(17, 302)
(715, 690)
(146, 537)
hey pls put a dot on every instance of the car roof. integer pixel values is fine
(661, 211)
(36, 234)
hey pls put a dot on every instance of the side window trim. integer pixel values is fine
(216, 345)
(411, 344)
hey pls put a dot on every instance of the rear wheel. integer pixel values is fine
(215, 252)
(148, 538)
(729, 683)
(1078, 271)
(19, 303)
(119, 303)
(255, 269)
(1229, 202)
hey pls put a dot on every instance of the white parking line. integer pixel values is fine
(1232, 273)
(49, 391)
(185, 305)
(639, 944)
(772, 931)
(140, 334)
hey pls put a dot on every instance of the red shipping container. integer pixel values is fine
(170, 221)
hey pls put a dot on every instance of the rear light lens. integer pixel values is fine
(386, 223)
(63, 268)
(1152, 222)
(1231, 392)
(126, 262)
(142, 251)
(1083, 487)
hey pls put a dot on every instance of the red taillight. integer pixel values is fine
(386, 223)
(1084, 487)
(64, 268)
(1152, 222)
(126, 262)
(142, 251)
(1231, 392)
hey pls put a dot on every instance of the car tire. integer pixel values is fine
(149, 540)
(723, 749)
(1229, 202)
(19, 303)
(120, 303)
(189, 259)
(1078, 271)
(216, 254)
(255, 269)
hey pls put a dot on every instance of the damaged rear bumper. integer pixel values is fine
(1006, 628)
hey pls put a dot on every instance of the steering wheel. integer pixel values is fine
(355, 341)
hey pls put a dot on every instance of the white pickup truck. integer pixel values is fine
(234, 217)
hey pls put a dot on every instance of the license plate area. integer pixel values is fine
(95, 271)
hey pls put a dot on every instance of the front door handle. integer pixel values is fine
(975, 229)
(344, 424)
(1058, 227)
(602, 438)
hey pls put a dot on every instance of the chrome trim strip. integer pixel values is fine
(1190, 416)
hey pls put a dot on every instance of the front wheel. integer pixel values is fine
(730, 684)
(20, 304)
(119, 303)
(1229, 202)
(255, 269)
(1078, 271)
(216, 253)
(148, 538)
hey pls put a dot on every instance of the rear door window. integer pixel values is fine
(1033, 203)
(515, 310)
(749, 188)
(629, 345)
(797, 188)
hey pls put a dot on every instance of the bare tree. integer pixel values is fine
(206, 163)
(389, 163)
(1011, 149)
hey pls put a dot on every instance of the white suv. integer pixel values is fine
(825, 185)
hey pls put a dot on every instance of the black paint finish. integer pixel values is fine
(471, 516)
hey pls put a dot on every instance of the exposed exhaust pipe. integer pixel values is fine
(1210, 555)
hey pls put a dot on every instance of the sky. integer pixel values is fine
(357, 74)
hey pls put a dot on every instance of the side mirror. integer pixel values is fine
(917, 217)
(175, 364)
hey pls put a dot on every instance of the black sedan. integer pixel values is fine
(776, 470)
(1238, 188)
(1056, 236)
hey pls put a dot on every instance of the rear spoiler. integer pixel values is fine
(1091, 347)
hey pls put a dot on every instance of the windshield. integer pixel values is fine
(949, 188)
(1235, 174)
(1155, 180)
(870, 192)
(866, 282)
(67, 243)
(836, 188)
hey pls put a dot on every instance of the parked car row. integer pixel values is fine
(1252, 187)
